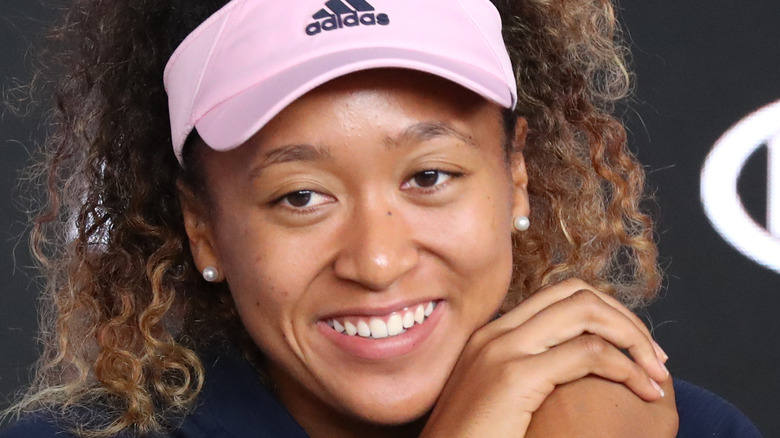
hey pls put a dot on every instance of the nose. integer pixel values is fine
(377, 248)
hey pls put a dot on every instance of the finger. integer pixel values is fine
(550, 294)
(584, 355)
(584, 312)
(557, 292)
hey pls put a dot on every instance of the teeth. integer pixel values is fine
(395, 325)
(363, 329)
(379, 328)
(419, 314)
(408, 319)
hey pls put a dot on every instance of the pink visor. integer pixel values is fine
(252, 58)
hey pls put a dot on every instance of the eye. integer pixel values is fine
(303, 199)
(429, 178)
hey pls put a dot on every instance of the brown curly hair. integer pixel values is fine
(125, 310)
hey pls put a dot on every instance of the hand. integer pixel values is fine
(560, 334)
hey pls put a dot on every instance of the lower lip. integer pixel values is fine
(385, 348)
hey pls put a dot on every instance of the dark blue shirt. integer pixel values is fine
(234, 404)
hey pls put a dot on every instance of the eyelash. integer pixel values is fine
(284, 199)
(436, 187)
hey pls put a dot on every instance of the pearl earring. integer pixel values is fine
(521, 223)
(210, 274)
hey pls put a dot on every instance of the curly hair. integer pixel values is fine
(125, 310)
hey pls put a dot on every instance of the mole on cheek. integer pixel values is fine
(389, 213)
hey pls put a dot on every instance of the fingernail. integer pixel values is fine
(663, 367)
(660, 352)
(657, 387)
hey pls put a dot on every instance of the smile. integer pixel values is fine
(379, 327)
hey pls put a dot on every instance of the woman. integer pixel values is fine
(410, 218)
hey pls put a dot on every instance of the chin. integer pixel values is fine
(391, 399)
(395, 412)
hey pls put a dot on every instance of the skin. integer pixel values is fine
(593, 407)
(385, 189)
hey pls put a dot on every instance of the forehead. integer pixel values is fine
(380, 93)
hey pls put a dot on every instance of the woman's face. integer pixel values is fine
(362, 206)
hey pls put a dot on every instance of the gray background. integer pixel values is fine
(702, 65)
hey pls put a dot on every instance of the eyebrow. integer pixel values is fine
(416, 133)
(424, 131)
(289, 153)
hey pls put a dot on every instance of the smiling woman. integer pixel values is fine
(313, 231)
(390, 226)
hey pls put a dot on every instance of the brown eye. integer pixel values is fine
(427, 178)
(430, 180)
(298, 199)
(303, 200)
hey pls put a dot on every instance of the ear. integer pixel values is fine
(521, 206)
(199, 231)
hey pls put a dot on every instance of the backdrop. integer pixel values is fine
(707, 74)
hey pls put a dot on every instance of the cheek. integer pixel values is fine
(474, 238)
(263, 279)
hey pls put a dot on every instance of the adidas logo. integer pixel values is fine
(361, 13)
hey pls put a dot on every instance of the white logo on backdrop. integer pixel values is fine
(719, 186)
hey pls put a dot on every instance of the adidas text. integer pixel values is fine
(338, 16)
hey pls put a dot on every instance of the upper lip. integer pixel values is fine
(377, 311)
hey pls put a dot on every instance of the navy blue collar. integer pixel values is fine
(234, 403)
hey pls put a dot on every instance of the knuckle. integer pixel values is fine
(593, 346)
(587, 300)
(585, 295)
(576, 283)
